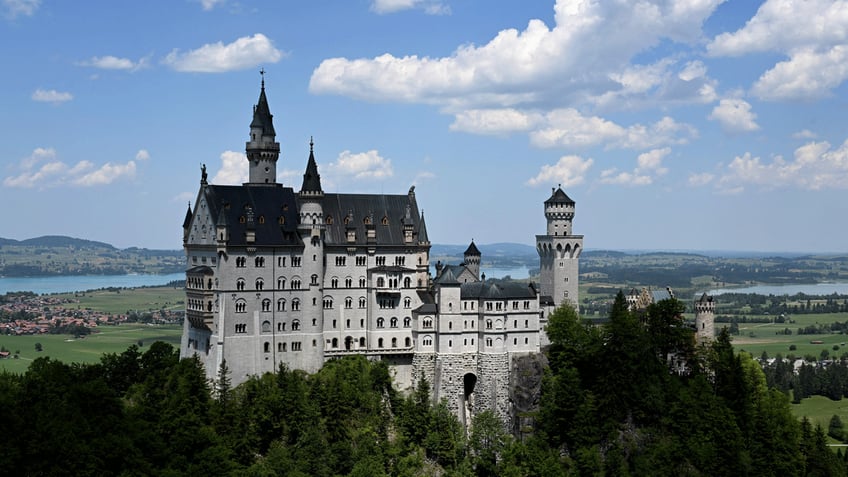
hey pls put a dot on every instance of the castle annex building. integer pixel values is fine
(277, 276)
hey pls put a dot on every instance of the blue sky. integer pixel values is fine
(688, 124)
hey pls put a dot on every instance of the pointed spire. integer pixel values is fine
(262, 117)
(311, 178)
(187, 221)
(422, 230)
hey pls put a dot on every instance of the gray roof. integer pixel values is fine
(660, 295)
(559, 196)
(490, 290)
(262, 117)
(311, 178)
(472, 250)
(373, 207)
(233, 205)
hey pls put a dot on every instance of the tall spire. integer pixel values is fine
(262, 149)
(311, 178)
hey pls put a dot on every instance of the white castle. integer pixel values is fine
(277, 277)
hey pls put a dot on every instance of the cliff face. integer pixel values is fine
(525, 379)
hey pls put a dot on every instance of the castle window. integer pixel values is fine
(266, 326)
(241, 219)
(527, 323)
(259, 262)
(295, 325)
(281, 347)
(381, 282)
(407, 302)
(262, 217)
(335, 343)
(367, 220)
(526, 341)
(328, 303)
(266, 305)
(259, 284)
(348, 302)
(314, 280)
(498, 306)
(361, 342)
(427, 323)
(329, 220)
(380, 343)
(281, 220)
(362, 282)
(281, 326)
(407, 322)
(295, 261)
(488, 306)
(385, 220)
(515, 305)
(334, 283)
(241, 306)
(361, 261)
(515, 341)
(488, 342)
(407, 342)
(427, 341)
(450, 343)
(380, 322)
(240, 284)
(393, 322)
(295, 346)
(362, 302)
(340, 261)
(295, 284)
(380, 261)
(295, 305)
(348, 282)
(241, 328)
(394, 342)
(407, 282)
(281, 283)
(488, 324)
(240, 262)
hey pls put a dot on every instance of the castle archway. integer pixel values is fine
(469, 383)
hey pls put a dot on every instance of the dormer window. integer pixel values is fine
(281, 220)
(329, 220)
(261, 219)
(241, 219)
(385, 221)
(367, 220)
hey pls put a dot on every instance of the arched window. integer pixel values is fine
(394, 342)
(407, 282)
(362, 302)
(240, 284)
(328, 303)
(407, 322)
(380, 343)
(380, 322)
(427, 341)
(295, 325)
(334, 282)
(381, 282)
(329, 220)
(281, 304)
(393, 322)
(281, 283)
(241, 306)
(295, 304)
(361, 282)
(295, 284)
(348, 302)
(428, 323)
(361, 342)
(335, 342)
(259, 284)
(314, 280)
(266, 326)
(407, 342)
(259, 262)
(407, 302)
(488, 324)
(266, 305)
(385, 220)
(267, 347)
(348, 282)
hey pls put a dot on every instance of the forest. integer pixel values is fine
(610, 405)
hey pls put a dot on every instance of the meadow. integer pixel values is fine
(108, 339)
(758, 337)
(135, 299)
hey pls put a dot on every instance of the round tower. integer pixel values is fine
(262, 150)
(705, 319)
(559, 251)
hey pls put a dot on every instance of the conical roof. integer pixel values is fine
(262, 117)
(311, 178)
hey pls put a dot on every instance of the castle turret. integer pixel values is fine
(311, 229)
(559, 250)
(262, 149)
(472, 259)
(705, 319)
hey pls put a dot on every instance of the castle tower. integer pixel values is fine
(472, 260)
(559, 250)
(705, 319)
(262, 149)
(311, 229)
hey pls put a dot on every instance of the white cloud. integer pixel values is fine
(234, 169)
(14, 8)
(243, 53)
(364, 165)
(184, 197)
(701, 179)
(430, 7)
(210, 4)
(106, 174)
(423, 176)
(494, 121)
(569, 128)
(808, 74)
(51, 96)
(735, 116)
(54, 172)
(568, 171)
(142, 155)
(815, 166)
(805, 134)
(648, 167)
(811, 33)
(115, 63)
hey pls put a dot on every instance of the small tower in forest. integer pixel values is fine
(705, 319)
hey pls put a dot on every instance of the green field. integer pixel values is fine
(138, 299)
(109, 339)
(758, 337)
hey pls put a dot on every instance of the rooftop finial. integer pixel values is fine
(310, 144)
(262, 73)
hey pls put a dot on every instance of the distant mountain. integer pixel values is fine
(61, 241)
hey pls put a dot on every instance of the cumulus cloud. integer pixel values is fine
(115, 63)
(495, 121)
(27, 8)
(805, 134)
(811, 34)
(243, 53)
(568, 171)
(648, 167)
(361, 166)
(569, 128)
(700, 179)
(142, 155)
(233, 170)
(430, 7)
(53, 172)
(735, 116)
(815, 166)
(210, 4)
(51, 96)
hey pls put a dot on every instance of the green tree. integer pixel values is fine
(487, 442)
(835, 429)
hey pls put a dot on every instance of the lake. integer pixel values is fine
(72, 283)
(779, 290)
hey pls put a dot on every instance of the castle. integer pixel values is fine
(277, 277)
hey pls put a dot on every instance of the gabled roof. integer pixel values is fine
(497, 290)
(373, 207)
(230, 205)
(447, 277)
(558, 196)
